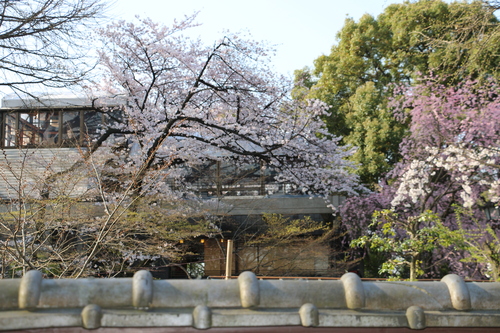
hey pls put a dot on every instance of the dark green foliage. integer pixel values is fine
(371, 55)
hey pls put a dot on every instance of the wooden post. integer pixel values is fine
(262, 179)
(218, 181)
(229, 259)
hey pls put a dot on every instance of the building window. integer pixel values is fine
(9, 130)
(49, 128)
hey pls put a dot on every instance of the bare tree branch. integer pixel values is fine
(42, 41)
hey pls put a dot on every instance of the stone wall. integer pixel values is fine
(141, 302)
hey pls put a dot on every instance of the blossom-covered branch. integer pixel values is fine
(189, 102)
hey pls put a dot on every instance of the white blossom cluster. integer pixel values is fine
(467, 167)
(413, 183)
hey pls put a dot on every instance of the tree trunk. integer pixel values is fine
(413, 268)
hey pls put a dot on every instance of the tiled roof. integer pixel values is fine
(34, 302)
(62, 100)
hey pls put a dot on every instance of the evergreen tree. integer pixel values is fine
(459, 39)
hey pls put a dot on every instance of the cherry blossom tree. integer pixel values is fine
(450, 163)
(455, 132)
(186, 103)
(182, 106)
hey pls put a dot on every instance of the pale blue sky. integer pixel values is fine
(301, 29)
